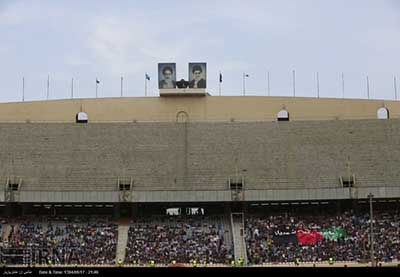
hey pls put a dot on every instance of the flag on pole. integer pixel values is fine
(146, 78)
(220, 82)
(97, 82)
(244, 83)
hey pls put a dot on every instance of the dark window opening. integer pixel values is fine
(13, 187)
(283, 119)
(347, 182)
(236, 186)
(124, 187)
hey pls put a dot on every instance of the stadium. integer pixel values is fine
(190, 179)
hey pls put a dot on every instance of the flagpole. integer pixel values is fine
(23, 89)
(48, 86)
(294, 83)
(145, 85)
(318, 84)
(367, 86)
(122, 85)
(96, 86)
(72, 88)
(268, 84)
(244, 84)
(343, 84)
(395, 88)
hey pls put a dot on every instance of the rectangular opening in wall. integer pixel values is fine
(348, 183)
(13, 187)
(124, 183)
(236, 186)
(124, 187)
(283, 118)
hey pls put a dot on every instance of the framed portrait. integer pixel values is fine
(198, 75)
(166, 75)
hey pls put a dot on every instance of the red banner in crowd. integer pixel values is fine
(309, 237)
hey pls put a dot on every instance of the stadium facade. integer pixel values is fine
(228, 154)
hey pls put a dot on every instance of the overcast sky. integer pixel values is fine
(109, 39)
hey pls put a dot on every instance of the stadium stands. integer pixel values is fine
(271, 238)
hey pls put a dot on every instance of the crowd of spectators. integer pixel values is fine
(181, 240)
(265, 244)
(274, 238)
(65, 240)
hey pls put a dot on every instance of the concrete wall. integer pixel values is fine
(210, 108)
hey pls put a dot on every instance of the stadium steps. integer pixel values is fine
(226, 227)
(123, 229)
(238, 236)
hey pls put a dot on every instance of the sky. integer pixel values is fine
(85, 40)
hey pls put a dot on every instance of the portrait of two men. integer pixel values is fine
(167, 75)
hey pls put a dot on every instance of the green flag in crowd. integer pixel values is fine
(333, 233)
